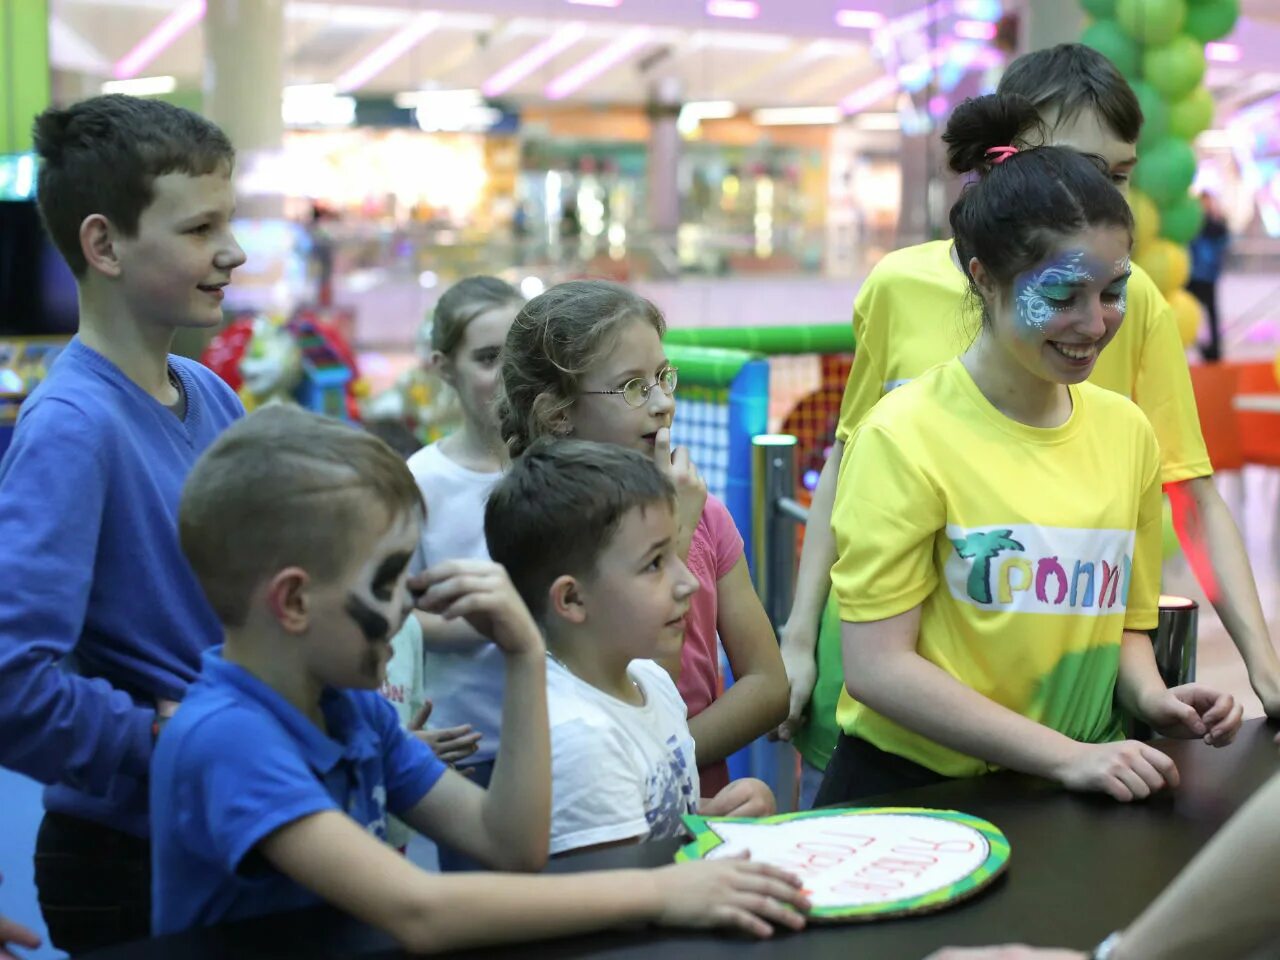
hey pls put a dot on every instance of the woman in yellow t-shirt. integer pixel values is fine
(998, 518)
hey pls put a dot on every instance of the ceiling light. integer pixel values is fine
(161, 37)
(733, 9)
(602, 60)
(142, 86)
(387, 52)
(859, 19)
(796, 116)
(533, 58)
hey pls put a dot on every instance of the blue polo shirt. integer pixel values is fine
(238, 762)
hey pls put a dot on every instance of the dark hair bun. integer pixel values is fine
(981, 123)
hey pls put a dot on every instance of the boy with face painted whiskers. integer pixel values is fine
(271, 786)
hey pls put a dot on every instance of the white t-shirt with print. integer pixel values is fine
(618, 771)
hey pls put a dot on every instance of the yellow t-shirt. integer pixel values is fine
(914, 312)
(1029, 550)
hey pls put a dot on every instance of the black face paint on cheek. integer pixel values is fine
(372, 624)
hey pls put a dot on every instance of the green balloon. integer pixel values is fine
(1100, 9)
(1208, 22)
(1192, 115)
(1176, 68)
(1151, 22)
(1165, 171)
(1155, 112)
(1182, 221)
(1108, 39)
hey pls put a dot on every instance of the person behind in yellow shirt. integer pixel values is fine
(998, 519)
(910, 314)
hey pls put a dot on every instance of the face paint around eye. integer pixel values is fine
(372, 624)
(1036, 289)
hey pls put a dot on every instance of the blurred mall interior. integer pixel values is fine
(743, 163)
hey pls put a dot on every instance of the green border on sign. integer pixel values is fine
(705, 839)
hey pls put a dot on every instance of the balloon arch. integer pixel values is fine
(1159, 47)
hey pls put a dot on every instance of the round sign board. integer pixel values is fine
(865, 863)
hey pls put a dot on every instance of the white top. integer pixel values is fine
(467, 686)
(404, 688)
(618, 772)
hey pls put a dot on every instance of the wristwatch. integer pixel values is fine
(1107, 948)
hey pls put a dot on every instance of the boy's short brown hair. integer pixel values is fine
(102, 155)
(284, 487)
(560, 504)
(1072, 78)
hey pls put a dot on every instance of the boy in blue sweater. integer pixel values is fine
(102, 622)
(272, 785)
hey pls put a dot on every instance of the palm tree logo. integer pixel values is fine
(983, 547)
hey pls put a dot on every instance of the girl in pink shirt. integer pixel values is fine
(585, 359)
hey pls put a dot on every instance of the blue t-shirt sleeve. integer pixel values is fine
(56, 726)
(231, 798)
(410, 766)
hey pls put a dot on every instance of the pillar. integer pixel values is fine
(665, 100)
(1047, 23)
(244, 83)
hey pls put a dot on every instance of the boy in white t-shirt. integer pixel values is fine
(587, 533)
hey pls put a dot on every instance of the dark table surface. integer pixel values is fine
(1081, 866)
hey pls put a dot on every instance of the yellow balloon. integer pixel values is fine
(1146, 219)
(1168, 264)
(1189, 314)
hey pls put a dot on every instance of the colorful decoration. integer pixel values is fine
(1182, 220)
(1146, 219)
(864, 863)
(1168, 264)
(1188, 313)
(1151, 22)
(1108, 39)
(1159, 47)
(304, 360)
(1165, 171)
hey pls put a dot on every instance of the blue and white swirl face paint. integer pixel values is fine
(1123, 268)
(1047, 290)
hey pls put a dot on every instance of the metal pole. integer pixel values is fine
(1174, 640)
(774, 473)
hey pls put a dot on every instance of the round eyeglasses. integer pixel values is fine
(636, 392)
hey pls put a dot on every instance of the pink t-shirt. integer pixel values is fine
(715, 548)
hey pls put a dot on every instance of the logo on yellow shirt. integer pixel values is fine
(1029, 569)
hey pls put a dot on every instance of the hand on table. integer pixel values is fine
(1126, 770)
(747, 797)
(1192, 712)
(450, 744)
(733, 892)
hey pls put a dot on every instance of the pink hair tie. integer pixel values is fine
(999, 155)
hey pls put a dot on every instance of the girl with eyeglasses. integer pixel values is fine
(585, 359)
